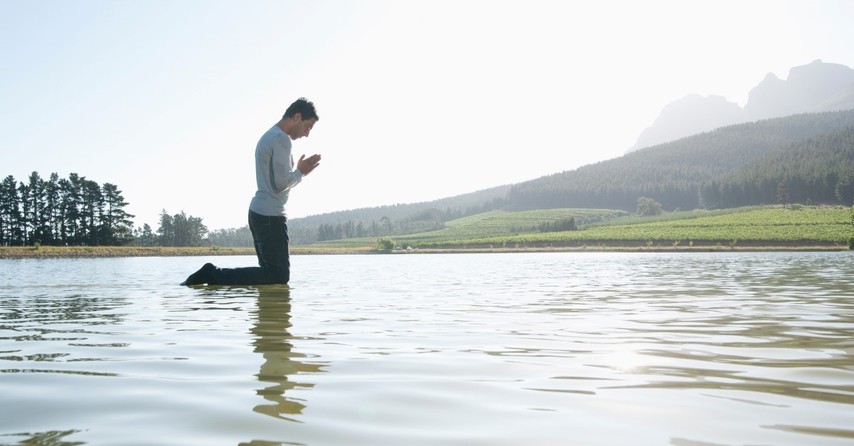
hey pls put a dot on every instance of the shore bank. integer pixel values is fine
(71, 252)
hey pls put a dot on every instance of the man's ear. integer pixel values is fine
(298, 116)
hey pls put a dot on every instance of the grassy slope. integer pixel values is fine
(769, 226)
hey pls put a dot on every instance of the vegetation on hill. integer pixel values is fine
(394, 220)
(828, 227)
(816, 170)
(804, 159)
(704, 171)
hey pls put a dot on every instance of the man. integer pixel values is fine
(275, 175)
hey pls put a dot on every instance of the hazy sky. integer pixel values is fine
(418, 99)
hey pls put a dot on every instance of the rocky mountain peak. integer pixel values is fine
(814, 87)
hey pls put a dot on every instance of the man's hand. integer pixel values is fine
(306, 165)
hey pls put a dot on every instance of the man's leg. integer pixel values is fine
(271, 246)
(270, 235)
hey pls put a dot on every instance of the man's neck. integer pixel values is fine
(286, 124)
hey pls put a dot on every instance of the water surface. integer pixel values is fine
(465, 349)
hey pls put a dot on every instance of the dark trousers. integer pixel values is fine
(270, 235)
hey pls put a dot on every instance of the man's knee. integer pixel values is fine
(281, 273)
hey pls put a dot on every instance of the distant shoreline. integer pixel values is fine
(73, 252)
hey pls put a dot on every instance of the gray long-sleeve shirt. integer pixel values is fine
(275, 173)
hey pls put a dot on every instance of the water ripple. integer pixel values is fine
(502, 349)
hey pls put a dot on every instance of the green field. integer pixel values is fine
(767, 227)
(502, 224)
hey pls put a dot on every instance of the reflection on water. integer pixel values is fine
(281, 363)
(54, 438)
(545, 349)
(76, 322)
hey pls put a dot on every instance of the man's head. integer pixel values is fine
(299, 118)
(304, 107)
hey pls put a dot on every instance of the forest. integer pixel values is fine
(62, 211)
(801, 159)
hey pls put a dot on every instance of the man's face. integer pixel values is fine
(302, 127)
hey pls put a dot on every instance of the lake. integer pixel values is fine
(685, 349)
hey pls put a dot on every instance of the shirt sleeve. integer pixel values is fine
(284, 174)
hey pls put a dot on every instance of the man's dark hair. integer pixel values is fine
(304, 107)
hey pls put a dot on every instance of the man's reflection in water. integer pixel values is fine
(281, 364)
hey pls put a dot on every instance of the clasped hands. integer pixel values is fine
(306, 165)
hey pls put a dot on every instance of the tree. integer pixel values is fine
(34, 203)
(648, 207)
(181, 230)
(10, 214)
(144, 236)
(69, 209)
(116, 223)
(166, 230)
(92, 210)
(385, 244)
(52, 209)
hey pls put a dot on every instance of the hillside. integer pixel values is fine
(709, 170)
(760, 227)
(816, 170)
(394, 219)
(676, 174)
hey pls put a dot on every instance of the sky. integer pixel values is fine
(418, 100)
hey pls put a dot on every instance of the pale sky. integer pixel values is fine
(418, 99)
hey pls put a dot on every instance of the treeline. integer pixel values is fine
(422, 221)
(566, 224)
(801, 158)
(394, 220)
(76, 211)
(173, 230)
(232, 237)
(176, 230)
(62, 211)
(301, 232)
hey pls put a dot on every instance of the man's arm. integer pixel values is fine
(282, 170)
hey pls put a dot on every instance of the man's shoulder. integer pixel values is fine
(274, 137)
(274, 132)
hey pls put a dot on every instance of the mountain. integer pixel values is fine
(844, 100)
(688, 116)
(814, 87)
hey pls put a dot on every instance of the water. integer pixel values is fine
(464, 349)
